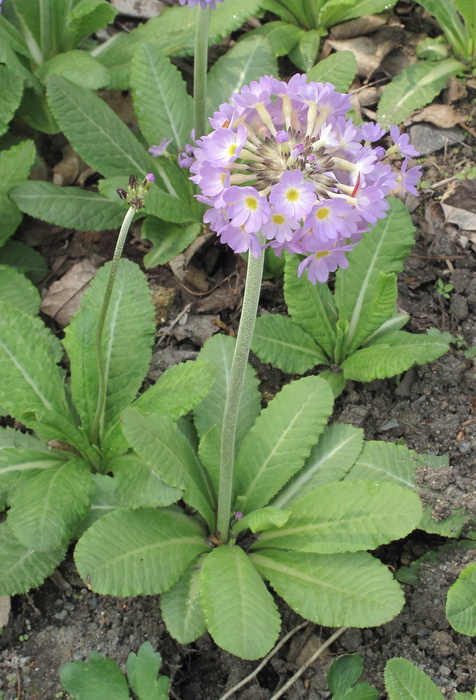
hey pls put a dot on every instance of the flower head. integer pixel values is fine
(284, 168)
(203, 3)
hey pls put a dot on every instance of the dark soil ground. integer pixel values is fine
(431, 409)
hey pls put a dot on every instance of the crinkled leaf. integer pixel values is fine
(393, 354)
(143, 674)
(87, 17)
(246, 61)
(346, 517)
(98, 678)
(163, 446)
(265, 518)
(18, 291)
(15, 166)
(284, 344)
(404, 681)
(278, 444)
(77, 66)
(385, 461)
(169, 239)
(67, 206)
(381, 307)
(338, 68)
(138, 552)
(209, 454)
(130, 315)
(335, 590)
(11, 89)
(104, 499)
(330, 460)
(413, 88)
(180, 607)
(22, 567)
(461, 602)
(18, 460)
(46, 510)
(240, 613)
(138, 483)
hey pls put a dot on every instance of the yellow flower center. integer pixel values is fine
(322, 254)
(278, 219)
(251, 203)
(232, 149)
(292, 195)
(323, 213)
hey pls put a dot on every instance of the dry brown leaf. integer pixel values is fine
(69, 168)
(64, 296)
(143, 9)
(459, 204)
(369, 52)
(367, 24)
(443, 116)
(5, 606)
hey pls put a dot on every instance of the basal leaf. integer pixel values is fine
(338, 68)
(169, 239)
(381, 307)
(311, 306)
(335, 590)
(278, 444)
(77, 66)
(143, 674)
(160, 443)
(138, 552)
(19, 460)
(22, 567)
(139, 485)
(18, 291)
(393, 354)
(461, 602)
(404, 681)
(67, 206)
(11, 89)
(385, 461)
(414, 87)
(163, 107)
(130, 315)
(304, 53)
(447, 17)
(15, 166)
(180, 607)
(218, 350)
(286, 345)
(335, 11)
(87, 17)
(281, 35)
(209, 454)
(104, 499)
(346, 517)
(330, 460)
(23, 259)
(98, 678)
(265, 518)
(246, 61)
(383, 249)
(240, 613)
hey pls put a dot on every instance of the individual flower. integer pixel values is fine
(402, 142)
(160, 149)
(284, 168)
(408, 179)
(203, 3)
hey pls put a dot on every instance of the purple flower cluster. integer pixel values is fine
(203, 3)
(284, 168)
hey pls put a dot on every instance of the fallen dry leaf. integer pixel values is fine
(64, 296)
(443, 116)
(368, 51)
(69, 168)
(459, 204)
(367, 24)
(143, 9)
(5, 606)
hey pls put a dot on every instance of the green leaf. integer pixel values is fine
(24, 259)
(161, 444)
(18, 291)
(461, 602)
(381, 307)
(15, 166)
(450, 22)
(142, 671)
(178, 389)
(280, 441)
(383, 249)
(414, 87)
(85, 18)
(169, 239)
(78, 67)
(281, 35)
(467, 10)
(344, 672)
(163, 107)
(218, 350)
(138, 552)
(22, 567)
(21, 458)
(30, 381)
(104, 499)
(11, 89)
(181, 610)
(335, 11)
(106, 143)
(330, 460)
(311, 306)
(209, 454)
(304, 53)
(130, 315)
(385, 461)
(246, 61)
(240, 613)
(338, 68)
(404, 681)
(46, 510)
(265, 518)
(67, 206)
(138, 483)
(393, 354)
(285, 345)
(11, 37)
(98, 678)
(335, 590)
(347, 516)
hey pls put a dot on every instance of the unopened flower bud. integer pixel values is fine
(122, 193)
(133, 181)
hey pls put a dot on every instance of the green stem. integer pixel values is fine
(254, 276)
(200, 72)
(97, 426)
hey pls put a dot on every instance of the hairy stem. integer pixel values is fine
(235, 387)
(200, 72)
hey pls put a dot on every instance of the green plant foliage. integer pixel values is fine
(11, 90)
(15, 166)
(457, 20)
(356, 327)
(404, 681)
(18, 291)
(342, 678)
(338, 68)
(461, 602)
(23, 259)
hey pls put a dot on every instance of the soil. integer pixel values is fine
(430, 408)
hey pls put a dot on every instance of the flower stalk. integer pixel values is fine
(200, 71)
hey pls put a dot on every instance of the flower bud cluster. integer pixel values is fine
(284, 168)
(136, 192)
